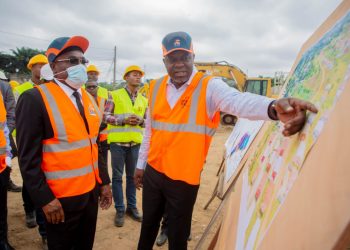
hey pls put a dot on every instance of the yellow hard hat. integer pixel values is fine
(133, 68)
(92, 68)
(13, 84)
(37, 59)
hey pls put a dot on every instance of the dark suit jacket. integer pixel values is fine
(10, 104)
(33, 125)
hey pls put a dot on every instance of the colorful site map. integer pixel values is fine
(238, 143)
(320, 77)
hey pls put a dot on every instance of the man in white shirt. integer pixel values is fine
(181, 120)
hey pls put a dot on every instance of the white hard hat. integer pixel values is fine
(2, 75)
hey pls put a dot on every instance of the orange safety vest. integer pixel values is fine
(69, 159)
(101, 105)
(2, 135)
(181, 136)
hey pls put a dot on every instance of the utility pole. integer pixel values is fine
(114, 63)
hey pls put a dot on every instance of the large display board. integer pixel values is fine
(272, 174)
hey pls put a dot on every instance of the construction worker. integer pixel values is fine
(92, 87)
(34, 65)
(93, 74)
(57, 128)
(124, 114)
(10, 106)
(183, 114)
(5, 169)
(14, 84)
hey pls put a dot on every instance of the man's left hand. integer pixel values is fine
(105, 196)
(292, 112)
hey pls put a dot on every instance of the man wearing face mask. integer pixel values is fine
(57, 128)
(124, 114)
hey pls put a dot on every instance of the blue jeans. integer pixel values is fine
(121, 156)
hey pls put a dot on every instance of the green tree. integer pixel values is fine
(18, 60)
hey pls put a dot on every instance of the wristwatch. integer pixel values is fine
(272, 111)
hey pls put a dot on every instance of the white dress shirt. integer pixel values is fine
(219, 97)
(69, 92)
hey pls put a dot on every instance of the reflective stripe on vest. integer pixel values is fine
(123, 130)
(64, 144)
(191, 125)
(61, 130)
(101, 103)
(55, 175)
(2, 125)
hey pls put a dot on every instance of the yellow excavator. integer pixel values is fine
(236, 78)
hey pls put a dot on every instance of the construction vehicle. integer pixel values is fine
(144, 90)
(235, 77)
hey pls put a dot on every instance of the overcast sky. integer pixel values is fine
(258, 36)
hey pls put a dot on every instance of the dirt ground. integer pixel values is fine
(107, 235)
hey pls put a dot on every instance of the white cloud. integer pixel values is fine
(259, 36)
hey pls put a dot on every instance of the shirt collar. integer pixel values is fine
(128, 90)
(194, 71)
(69, 92)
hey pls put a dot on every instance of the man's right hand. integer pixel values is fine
(132, 120)
(54, 212)
(138, 178)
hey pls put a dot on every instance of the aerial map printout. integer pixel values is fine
(238, 143)
(319, 76)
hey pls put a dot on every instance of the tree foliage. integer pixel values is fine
(17, 61)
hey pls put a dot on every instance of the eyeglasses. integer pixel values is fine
(75, 60)
(91, 87)
(184, 59)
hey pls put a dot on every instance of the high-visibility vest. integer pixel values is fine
(2, 135)
(69, 158)
(101, 105)
(180, 136)
(19, 90)
(123, 107)
(102, 92)
(23, 87)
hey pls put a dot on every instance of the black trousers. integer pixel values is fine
(164, 226)
(27, 201)
(14, 151)
(30, 208)
(4, 180)
(78, 230)
(179, 198)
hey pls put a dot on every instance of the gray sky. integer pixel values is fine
(259, 36)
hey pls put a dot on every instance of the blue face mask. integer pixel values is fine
(77, 76)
